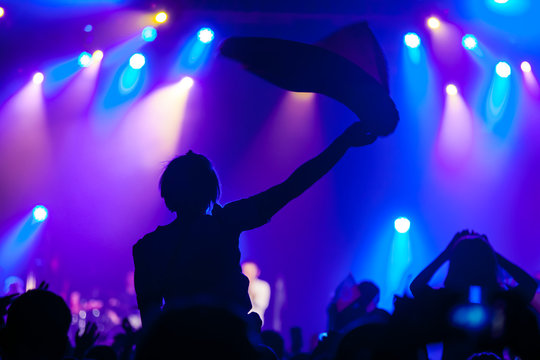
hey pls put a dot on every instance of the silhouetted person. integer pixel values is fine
(200, 332)
(473, 265)
(361, 309)
(196, 258)
(36, 327)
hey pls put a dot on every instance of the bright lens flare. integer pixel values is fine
(2, 12)
(161, 17)
(451, 89)
(402, 225)
(503, 69)
(137, 61)
(38, 78)
(469, 42)
(186, 83)
(433, 23)
(501, 1)
(97, 55)
(205, 35)
(84, 59)
(40, 213)
(412, 40)
(526, 67)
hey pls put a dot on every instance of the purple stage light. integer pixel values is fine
(526, 67)
(451, 89)
(38, 78)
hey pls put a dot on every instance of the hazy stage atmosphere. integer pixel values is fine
(96, 98)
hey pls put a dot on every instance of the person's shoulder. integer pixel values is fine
(149, 240)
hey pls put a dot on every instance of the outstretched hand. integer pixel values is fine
(356, 135)
(84, 341)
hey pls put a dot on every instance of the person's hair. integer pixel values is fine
(472, 262)
(368, 291)
(37, 325)
(189, 183)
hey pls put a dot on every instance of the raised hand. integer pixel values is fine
(5, 301)
(84, 341)
(43, 286)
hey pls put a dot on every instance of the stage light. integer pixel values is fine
(88, 28)
(412, 40)
(161, 17)
(97, 55)
(503, 69)
(402, 225)
(40, 213)
(205, 35)
(469, 42)
(38, 78)
(433, 23)
(149, 34)
(186, 83)
(451, 89)
(526, 67)
(501, 1)
(2, 12)
(84, 59)
(137, 61)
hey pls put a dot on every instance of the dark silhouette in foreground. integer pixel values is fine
(196, 258)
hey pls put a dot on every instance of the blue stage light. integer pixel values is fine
(402, 225)
(137, 61)
(40, 213)
(88, 28)
(469, 42)
(205, 35)
(149, 34)
(503, 69)
(501, 1)
(84, 59)
(412, 40)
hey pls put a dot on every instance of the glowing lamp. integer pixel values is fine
(469, 42)
(149, 34)
(412, 40)
(137, 61)
(433, 23)
(205, 35)
(40, 213)
(161, 17)
(38, 78)
(526, 67)
(402, 225)
(503, 69)
(451, 89)
(84, 59)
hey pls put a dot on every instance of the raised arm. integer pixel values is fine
(422, 280)
(269, 202)
(526, 284)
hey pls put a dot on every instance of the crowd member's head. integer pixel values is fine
(369, 295)
(274, 340)
(189, 184)
(484, 356)
(472, 262)
(101, 352)
(37, 325)
(197, 333)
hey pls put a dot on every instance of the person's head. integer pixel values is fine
(369, 295)
(189, 184)
(37, 325)
(274, 340)
(198, 332)
(101, 352)
(251, 270)
(472, 262)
